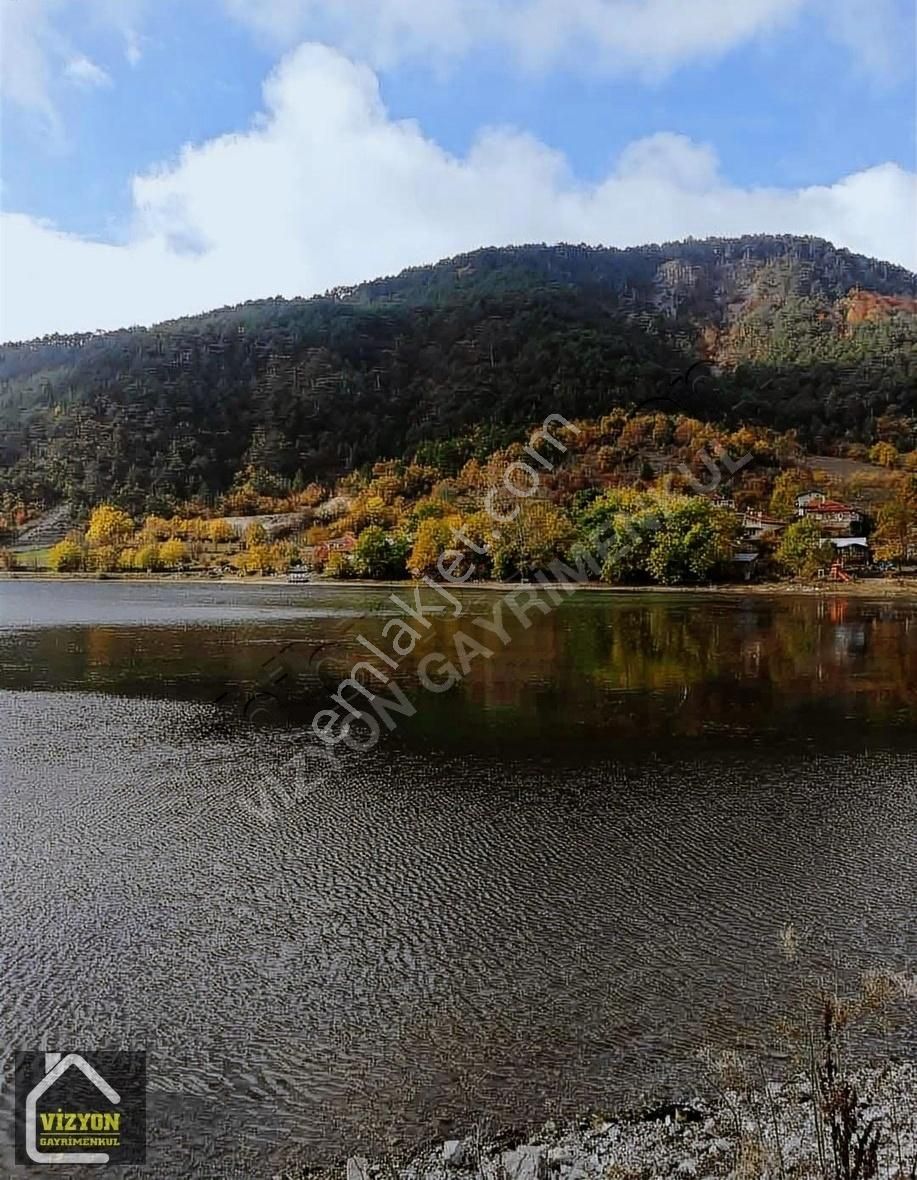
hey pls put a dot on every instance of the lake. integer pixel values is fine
(543, 892)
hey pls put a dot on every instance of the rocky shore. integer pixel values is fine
(769, 1134)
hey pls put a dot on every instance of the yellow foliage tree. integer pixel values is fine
(105, 558)
(156, 528)
(787, 486)
(196, 529)
(337, 565)
(65, 557)
(895, 537)
(148, 559)
(434, 537)
(108, 526)
(255, 535)
(173, 553)
(221, 532)
(884, 454)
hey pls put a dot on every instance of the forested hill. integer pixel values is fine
(450, 360)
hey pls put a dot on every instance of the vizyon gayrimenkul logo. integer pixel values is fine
(80, 1108)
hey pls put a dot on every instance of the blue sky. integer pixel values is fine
(161, 157)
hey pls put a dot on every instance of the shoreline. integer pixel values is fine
(879, 587)
(766, 1132)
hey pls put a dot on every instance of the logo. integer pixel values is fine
(74, 1108)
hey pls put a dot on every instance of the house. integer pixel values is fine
(757, 526)
(808, 498)
(315, 556)
(345, 544)
(832, 515)
(852, 551)
(745, 564)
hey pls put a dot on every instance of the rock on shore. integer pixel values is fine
(766, 1135)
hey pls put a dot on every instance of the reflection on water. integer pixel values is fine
(518, 906)
(601, 667)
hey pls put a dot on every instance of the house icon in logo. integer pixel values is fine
(56, 1065)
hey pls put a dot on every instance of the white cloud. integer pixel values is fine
(36, 55)
(25, 46)
(644, 37)
(880, 41)
(326, 189)
(86, 73)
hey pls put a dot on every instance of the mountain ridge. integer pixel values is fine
(465, 352)
(879, 276)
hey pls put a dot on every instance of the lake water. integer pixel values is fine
(543, 892)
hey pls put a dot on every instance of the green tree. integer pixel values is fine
(379, 554)
(803, 550)
(693, 540)
(658, 536)
(621, 525)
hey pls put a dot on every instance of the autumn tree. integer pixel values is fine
(221, 531)
(104, 558)
(434, 537)
(148, 558)
(895, 538)
(538, 533)
(885, 454)
(787, 486)
(65, 557)
(337, 565)
(255, 534)
(173, 553)
(108, 526)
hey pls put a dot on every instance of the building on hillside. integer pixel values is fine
(852, 551)
(345, 544)
(832, 516)
(757, 526)
(808, 498)
(315, 556)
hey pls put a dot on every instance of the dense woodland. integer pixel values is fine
(447, 363)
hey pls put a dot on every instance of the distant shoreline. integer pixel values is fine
(869, 587)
